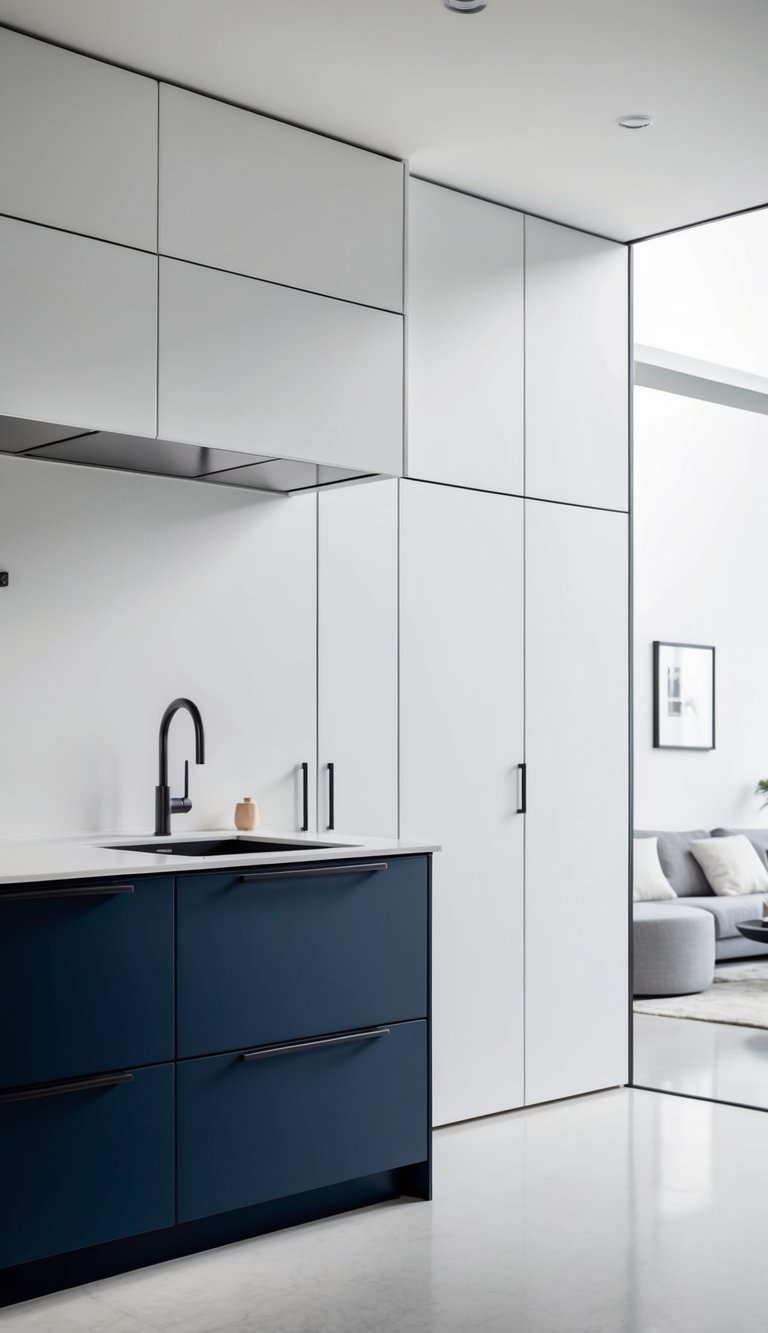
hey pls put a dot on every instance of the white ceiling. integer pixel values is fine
(517, 103)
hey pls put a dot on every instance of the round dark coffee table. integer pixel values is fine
(755, 930)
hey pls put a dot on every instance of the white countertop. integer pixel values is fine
(89, 856)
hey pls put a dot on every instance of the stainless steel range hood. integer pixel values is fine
(168, 458)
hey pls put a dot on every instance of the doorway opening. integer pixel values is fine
(700, 558)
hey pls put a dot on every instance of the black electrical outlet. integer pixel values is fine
(3, 578)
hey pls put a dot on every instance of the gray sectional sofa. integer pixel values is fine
(674, 950)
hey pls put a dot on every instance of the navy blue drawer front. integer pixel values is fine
(86, 978)
(297, 952)
(256, 1129)
(81, 1167)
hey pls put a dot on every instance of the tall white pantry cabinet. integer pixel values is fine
(514, 646)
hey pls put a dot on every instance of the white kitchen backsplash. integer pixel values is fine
(124, 592)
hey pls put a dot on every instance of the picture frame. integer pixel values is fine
(683, 696)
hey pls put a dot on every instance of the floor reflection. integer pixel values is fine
(712, 1043)
(623, 1212)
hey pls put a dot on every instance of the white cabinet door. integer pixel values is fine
(242, 192)
(577, 720)
(576, 367)
(78, 330)
(254, 367)
(461, 740)
(267, 701)
(78, 143)
(465, 340)
(357, 663)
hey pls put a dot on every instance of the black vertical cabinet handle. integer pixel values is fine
(331, 795)
(305, 797)
(522, 808)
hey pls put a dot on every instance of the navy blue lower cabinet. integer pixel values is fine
(85, 1164)
(263, 1124)
(86, 978)
(298, 1084)
(286, 952)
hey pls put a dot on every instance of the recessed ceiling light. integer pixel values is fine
(465, 6)
(635, 122)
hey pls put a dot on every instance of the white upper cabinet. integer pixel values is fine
(263, 369)
(78, 330)
(465, 340)
(357, 663)
(78, 143)
(576, 367)
(242, 192)
(577, 826)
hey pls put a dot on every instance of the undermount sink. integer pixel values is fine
(215, 847)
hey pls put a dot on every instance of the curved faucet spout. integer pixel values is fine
(165, 726)
(165, 803)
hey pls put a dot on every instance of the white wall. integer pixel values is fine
(126, 591)
(701, 576)
(704, 292)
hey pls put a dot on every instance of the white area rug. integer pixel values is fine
(738, 995)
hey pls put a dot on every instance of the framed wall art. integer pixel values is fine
(683, 696)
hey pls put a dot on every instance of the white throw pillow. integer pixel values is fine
(649, 883)
(731, 865)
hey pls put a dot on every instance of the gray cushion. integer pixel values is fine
(662, 910)
(728, 912)
(757, 836)
(678, 862)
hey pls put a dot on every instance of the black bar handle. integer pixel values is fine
(268, 1051)
(522, 769)
(331, 796)
(366, 867)
(305, 797)
(77, 891)
(58, 1089)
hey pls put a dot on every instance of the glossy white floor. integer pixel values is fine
(625, 1212)
(705, 1059)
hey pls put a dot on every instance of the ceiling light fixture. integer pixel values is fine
(465, 6)
(635, 122)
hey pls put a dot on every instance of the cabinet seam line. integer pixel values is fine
(84, 235)
(274, 282)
